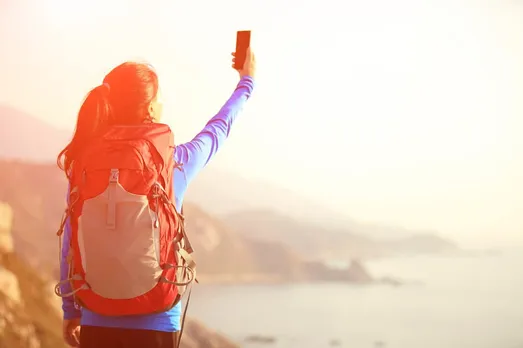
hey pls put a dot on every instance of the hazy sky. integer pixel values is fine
(407, 112)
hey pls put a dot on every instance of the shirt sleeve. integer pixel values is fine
(68, 307)
(195, 154)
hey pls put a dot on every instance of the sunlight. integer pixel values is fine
(67, 14)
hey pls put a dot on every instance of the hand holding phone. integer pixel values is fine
(243, 60)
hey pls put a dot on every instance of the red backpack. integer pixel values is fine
(129, 253)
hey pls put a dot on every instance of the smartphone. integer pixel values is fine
(243, 41)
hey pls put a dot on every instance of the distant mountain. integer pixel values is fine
(319, 242)
(25, 137)
(420, 244)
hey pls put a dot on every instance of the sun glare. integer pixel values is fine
(70, 14)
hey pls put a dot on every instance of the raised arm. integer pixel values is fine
(197, 153)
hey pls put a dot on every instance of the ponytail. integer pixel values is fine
(133, 86)
(94, 117)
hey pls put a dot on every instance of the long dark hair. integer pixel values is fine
(122, 99)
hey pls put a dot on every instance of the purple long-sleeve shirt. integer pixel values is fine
(194, 155)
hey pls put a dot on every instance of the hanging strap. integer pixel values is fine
(67, 214)
(111, 198)
(165, 197)
(192, 276)
(185, 254)
(58, 290)
(184, 316)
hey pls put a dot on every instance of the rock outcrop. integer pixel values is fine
(9, 285)
(354, 273)
(6, 222)
(8, 281)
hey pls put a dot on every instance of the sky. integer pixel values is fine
(404, 112)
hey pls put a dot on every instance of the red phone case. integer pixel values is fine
(243, 41)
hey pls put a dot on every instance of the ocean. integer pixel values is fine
(447, 302)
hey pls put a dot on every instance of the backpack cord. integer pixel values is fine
(184, 316)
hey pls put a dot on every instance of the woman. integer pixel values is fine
(129, 95)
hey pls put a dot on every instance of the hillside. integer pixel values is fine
(224, 256)
(36, 193)
(23, 136)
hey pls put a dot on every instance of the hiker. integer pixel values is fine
(125, 256)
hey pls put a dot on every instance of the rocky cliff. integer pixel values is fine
(30, 314)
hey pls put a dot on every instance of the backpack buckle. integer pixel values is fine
(113, 178)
